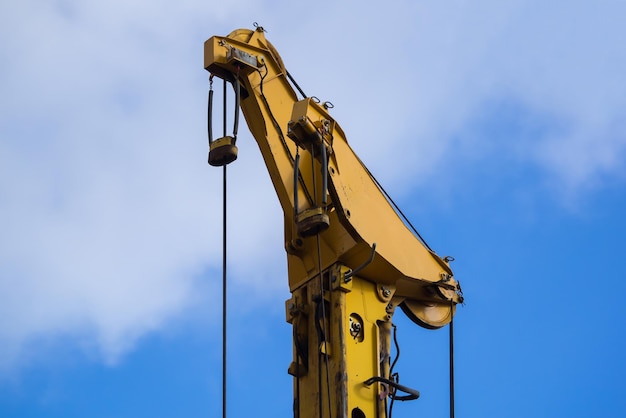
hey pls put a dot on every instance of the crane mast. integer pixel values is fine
(351, 258)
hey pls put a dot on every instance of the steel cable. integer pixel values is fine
(224, 288)
(451, 361)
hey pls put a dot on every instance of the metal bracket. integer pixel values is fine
(385, 292)
(411, 393)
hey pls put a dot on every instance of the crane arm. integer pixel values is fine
(351, 258)
(359, 214)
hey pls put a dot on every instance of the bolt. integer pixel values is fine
(386, 292)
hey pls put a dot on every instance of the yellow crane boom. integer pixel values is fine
(351, 258)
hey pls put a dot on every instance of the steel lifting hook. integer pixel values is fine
(223, 151)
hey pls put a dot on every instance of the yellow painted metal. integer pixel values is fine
(358, 215)
(356, 338)
(363, 351)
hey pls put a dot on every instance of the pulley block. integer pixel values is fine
(312, 222)
(222, 151)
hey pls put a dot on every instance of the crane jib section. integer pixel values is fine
(352, 260)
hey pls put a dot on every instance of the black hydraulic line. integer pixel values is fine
(411, 394)
(210, 111)
(237, 98)
(237, 87)
(451, 362)
(324, 175)
(314, 182)
(296, 176)
(397, 346)
(296, 85)
(357, 270)
(280, 133)
(224, 112)
(394, 376)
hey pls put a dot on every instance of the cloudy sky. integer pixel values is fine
(499, 128)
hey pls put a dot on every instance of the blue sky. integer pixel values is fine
(499, 128)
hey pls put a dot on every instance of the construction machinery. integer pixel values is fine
(352, 258)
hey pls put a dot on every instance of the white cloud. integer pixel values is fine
(409, 83)
(560, 62)
(106, 195)
(110, 213)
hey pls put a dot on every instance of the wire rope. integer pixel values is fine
(324, 330)
(224, 297)
(224, 275)
(451, 329)
(322, 300)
